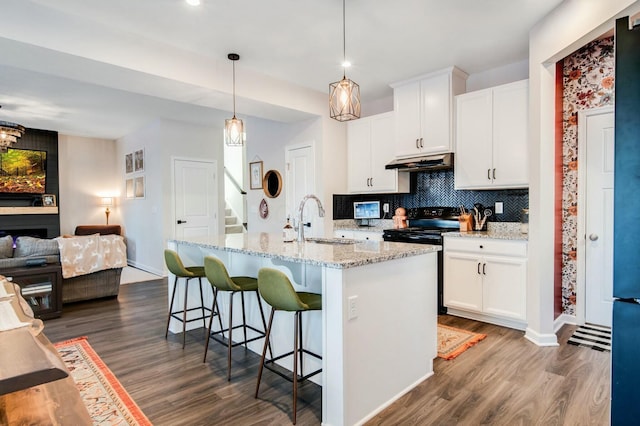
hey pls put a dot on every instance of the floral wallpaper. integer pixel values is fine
(588, 80)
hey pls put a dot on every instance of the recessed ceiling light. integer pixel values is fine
(193, 2)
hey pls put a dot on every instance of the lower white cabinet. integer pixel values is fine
(485, 279)
(358, 235)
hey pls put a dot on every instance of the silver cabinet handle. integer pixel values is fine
(180, 222)
(494, 174)
(421, 143)
(417, 144)
(484, 267)
(371, 180)
(489, 174)
(478, 268)
(593, 237)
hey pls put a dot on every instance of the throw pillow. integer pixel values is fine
(6, 247)
(30, 246)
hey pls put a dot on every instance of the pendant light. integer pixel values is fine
(233, 127)
(9, 134)
(344, 95)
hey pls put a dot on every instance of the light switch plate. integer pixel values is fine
(499, 207)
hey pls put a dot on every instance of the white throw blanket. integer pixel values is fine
(80, 255)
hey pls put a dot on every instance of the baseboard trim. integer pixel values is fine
(541, 339)
(145, 268)
(562, 320)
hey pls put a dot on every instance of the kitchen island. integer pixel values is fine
(377, 331)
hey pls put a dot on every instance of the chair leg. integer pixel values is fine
(173, 296)
(264, 352)
(215, 303)
(230, 332)
(264, 324)
(300, 351)
(244, 321)
(184, 312)
(295, 364)
(204, 324)
(213, 307)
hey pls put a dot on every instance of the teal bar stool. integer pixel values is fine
(220, 280)
(276, 289)
(177, 268)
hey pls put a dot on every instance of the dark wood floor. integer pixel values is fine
(504, 380)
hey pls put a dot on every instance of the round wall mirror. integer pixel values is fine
(272, 183)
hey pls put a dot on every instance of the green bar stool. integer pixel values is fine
(276, 289)
(177, 268)
(220, 280)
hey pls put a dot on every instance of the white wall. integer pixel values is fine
(87, 172)
(497, 76)
(149, 221)
(570, 26)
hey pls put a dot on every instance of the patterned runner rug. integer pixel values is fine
(453, 341)
(592, 336)
(106, 399)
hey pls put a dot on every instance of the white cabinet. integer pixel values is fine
(485, 279)
(424, 112)
(370, 148)
(491, 138)
(358, 235)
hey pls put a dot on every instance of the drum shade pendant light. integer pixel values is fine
(233, 127)
(344, 95)
(9, 134)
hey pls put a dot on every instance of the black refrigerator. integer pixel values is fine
(625, 353)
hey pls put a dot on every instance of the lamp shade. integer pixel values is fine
(106, 201)
(233, 131)
(344, 100)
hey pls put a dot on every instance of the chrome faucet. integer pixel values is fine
(300, 210)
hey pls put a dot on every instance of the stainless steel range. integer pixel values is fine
(426, 226)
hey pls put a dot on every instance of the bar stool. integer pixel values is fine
(220, 280)
(276, 289)
(177, 268)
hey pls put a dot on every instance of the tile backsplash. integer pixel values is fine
(437, 189)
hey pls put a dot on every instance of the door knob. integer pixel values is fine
(181, 221)
(593, 237)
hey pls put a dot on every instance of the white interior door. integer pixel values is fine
(300, 181)
(599, 217)
(196, 198)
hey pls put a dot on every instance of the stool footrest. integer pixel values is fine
(214, 336)
(175, 314)
(288, 377)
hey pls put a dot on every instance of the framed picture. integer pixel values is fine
(138, 187)
(255, 175)
(139, 160)
(128, 163)
(48, 200)
(129, 188)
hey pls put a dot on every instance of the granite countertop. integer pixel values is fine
(497, 230)
(376, 225)
(339, 256)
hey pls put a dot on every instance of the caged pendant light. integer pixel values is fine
(233, 127)
(344, 95)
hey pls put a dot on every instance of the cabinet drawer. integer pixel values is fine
(486, 246)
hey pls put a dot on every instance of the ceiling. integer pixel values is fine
(105, 68)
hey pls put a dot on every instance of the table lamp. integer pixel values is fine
(107, 202)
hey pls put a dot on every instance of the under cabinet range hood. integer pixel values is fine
(423, 163)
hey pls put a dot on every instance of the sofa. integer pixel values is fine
(94, 285)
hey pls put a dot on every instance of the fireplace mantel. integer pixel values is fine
(28, 210)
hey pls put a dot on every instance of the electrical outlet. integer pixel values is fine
(385, 207)
(352, 305)
(499, 207)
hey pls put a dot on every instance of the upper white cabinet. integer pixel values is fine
(424, 112)
(370, 148)
(491, 138)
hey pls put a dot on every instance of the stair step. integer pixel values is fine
(233, 229)
(228, 212)
(230, 220)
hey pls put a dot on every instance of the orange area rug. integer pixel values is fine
(453, 341)
(106, 399)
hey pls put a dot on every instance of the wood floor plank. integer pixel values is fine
(503, 380)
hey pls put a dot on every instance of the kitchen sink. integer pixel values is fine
(330, 240)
